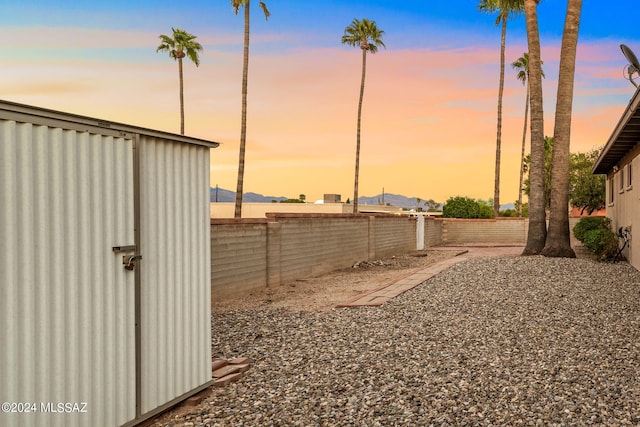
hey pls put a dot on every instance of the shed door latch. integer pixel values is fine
(129, 261)
(127, 248)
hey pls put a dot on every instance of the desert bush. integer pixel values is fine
(596, 234)
(485, 211)
(508, 213)
(590, 223)
(466, 207)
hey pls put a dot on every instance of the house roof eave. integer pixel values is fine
(624, 137)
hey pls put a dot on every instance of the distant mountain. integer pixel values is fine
(230, 196)
(409, 202)
(222, 195)
(386, 199)
(259, 198)
(395, 200)
(391, 199)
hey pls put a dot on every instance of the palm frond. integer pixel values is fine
(235, 4)
(181, 44)
(522, 65)
(266, 12)
(504, 8)
(364, 34)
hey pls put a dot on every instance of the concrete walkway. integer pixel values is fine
(383, 294)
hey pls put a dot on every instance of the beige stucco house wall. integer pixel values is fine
(620, 161)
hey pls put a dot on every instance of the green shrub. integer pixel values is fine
(461, 207)
(602, 242)
(485, 211)
(596, 234)
(466, 207)
(590, 223)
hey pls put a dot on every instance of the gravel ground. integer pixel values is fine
(491, 341)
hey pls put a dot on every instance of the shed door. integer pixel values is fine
(67, 305)
(175, 274)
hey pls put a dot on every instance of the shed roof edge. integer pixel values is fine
(99, 123)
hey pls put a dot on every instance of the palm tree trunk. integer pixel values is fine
(496, 187)
(355, 185)
(243, 126)
(524, 142)
(558, 242)
(181, 97)
(537, 232)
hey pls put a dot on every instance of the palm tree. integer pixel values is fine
(504, 8)
(181, 45)
(368, 37)
(236, 4)
(537, 232)
(558, 242)
(522, 66)
(548, 153)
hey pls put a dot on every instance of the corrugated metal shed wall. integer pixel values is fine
(66, 303)
(176, 293)
(73, 188)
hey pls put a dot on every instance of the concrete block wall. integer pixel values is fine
(253, 254)
(491, 231)
(314, 245)
(238, 256)
(494, 231)
(393, 235)
(432, 232)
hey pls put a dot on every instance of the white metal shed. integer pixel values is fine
(104, 269)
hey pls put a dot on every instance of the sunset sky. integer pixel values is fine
(430, 102)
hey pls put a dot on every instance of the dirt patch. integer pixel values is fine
(326, 291)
